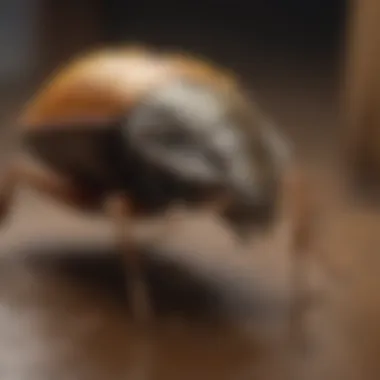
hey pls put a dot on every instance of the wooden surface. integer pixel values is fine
(222, 312)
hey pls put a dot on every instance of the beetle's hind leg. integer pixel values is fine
(121, 211)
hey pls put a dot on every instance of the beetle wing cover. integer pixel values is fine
(106, 83)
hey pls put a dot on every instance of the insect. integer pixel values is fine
(130, 131)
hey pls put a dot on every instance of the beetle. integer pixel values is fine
(131, 130)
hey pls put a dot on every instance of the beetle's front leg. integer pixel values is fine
(8, 184)
(120, 209)
(25, 171)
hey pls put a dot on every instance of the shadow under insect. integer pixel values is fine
(180, 284)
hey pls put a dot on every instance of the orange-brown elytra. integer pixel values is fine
(128, 131)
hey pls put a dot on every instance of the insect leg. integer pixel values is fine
(119, 208)
(27, 172)
(8, 184)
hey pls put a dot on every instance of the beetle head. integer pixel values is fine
(210, 142)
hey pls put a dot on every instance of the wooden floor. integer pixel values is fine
(63, 311)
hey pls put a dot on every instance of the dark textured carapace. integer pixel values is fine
(158, 126)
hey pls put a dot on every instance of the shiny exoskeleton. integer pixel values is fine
(132, 131)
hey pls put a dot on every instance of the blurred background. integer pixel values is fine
(285, 49)
(313, 67)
